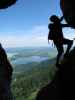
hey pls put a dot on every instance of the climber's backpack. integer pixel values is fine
(51, 33)
(50, 36)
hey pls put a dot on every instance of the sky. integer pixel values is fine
(25, 24)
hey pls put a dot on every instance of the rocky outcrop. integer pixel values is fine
(5, 76)
(6, 3)
(62, 87)
(68, 10)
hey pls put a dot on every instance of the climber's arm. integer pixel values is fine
(66, 25)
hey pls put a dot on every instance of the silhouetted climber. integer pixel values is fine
(56, 34)
(5, 76)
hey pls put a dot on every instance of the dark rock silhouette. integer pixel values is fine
(5, 76)
(6, 3)
(68, 9)
(62, 86)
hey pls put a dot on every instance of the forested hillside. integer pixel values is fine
(25, 84)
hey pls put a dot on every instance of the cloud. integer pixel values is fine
(69, 33)
(37, 36)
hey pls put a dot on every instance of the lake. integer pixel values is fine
(29, 55)
(29, 60)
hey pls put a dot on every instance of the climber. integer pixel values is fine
(56, 34)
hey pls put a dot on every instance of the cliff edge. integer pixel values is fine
(63, 84)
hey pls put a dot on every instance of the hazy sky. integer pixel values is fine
(26, 23)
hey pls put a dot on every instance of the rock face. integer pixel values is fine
(6, 3)
(5, 76)
(62, 86)
(68, 9)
